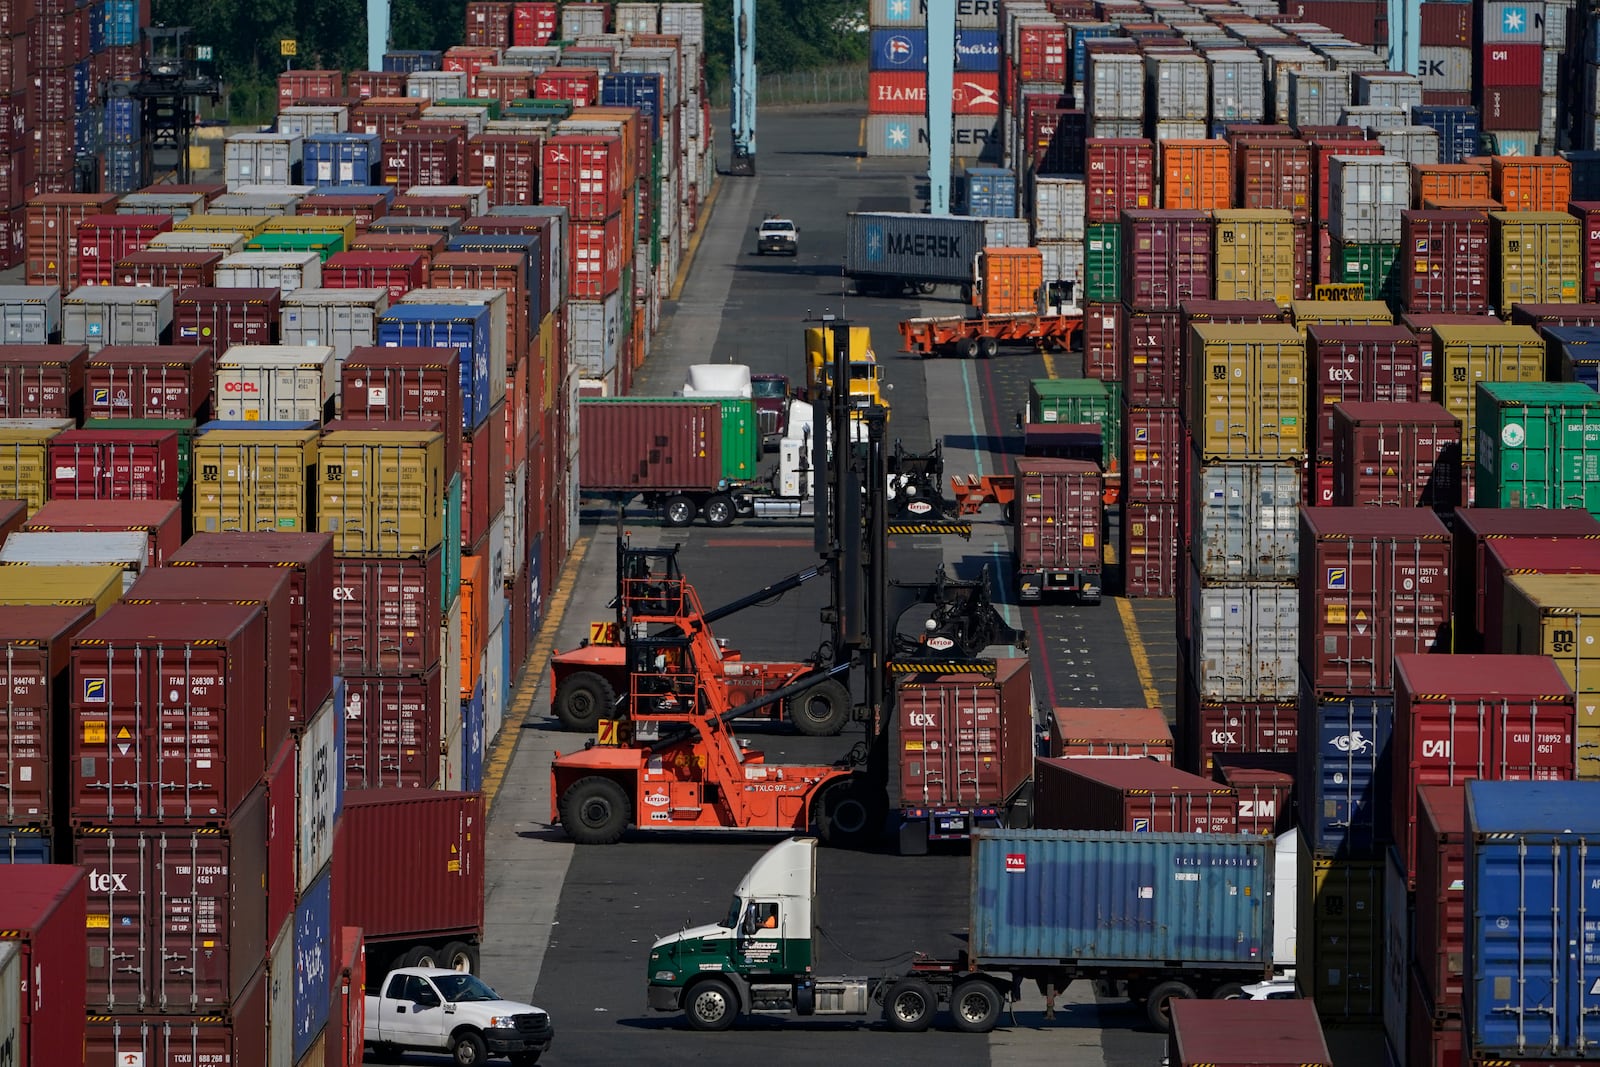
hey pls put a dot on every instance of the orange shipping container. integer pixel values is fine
(1011, 279)
(1195, 175)
(1532, 183)
(1449, 180)
(1461, 203)
(476, 589)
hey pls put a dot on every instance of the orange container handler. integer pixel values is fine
(476, 589)
(1448, 180)
(1011, 280)
(1196, 175)
(1532, 183)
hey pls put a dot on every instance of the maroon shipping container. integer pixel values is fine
(1505, 556)
(162, 520)
(347, 1018)
(420, 204)
(366, 83)
(386, 614)
(1211, 728)
(1152, 359)
(1446, 25)
(394, 729)
(363, 208)
(594, 265)
(398, 272)
(405, 385)
(644, 446)
(1494, 718)
(1359, 363)
(1422, 323)
(1444, 261)
(117, 464)
(1120, 175)
(42, 381)
(1247, 1033)
(429, 244)
(1473, 527)
(1264, 782)
(37, 645)
(1362, 21)
(483, 475)
(1438, 942)
(1587, 212)
(103, 240)
(44, 909)
(581, 85)
(1059, 514)
(1125, 733)
(1374, 583)
(1166, 259)
(1431, 1040)
(437, 839)
(504, 85)
(149, 382)
(1273, 174)
(52, 234)
(507, 164)
(421, 157)
(13, 514)
(1511, 107)
(1102, 341)
(1246, 312)
(1325, 147)
(965, 749)
(1396, 455)
(258, 587)
(308, 559)
(1149, 548)
(174, 268)
(168, 714)
(1540, 315)
(1041, 54)
(222, 318)
(493, 270)
(1137, 795)
(489, 25)
(282, 782)
(1503, 65)
(309, 84)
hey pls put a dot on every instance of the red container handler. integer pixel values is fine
(1102, 341)
(1444, 262)
(394, 730)
(1438, 939)
(1464, 717)
(1152, 357)
(233, 1038)
(1359, 363)
(44, 910)
(1129, 795)
(174, 268)
(42, 381)
(405, 385)
(398, 272)
(149, 382)
(507, 164)
(595, 265)
(222, 318)
(1506, 556)
(162, 520)
(1120, 173)
(1126, 733)
(386, 614)
(1396, 455)
(285, 640)
(1247, 1033)
(1148, 548)
(168, 714)
(1473, 527)
(36, 642)
(1166, 258)
(308, 560)
(1273, 174)
(114, 465)
(1264, 783)
(103, 240)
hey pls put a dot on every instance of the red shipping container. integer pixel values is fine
(1588, 216)
(1396, 455)
(1511, 107)
(533, 23)
(507, 164)
(1142, 796)
(1273, 174)
(1152, 360)
(1148, 549)
(1421, 324)
(282, 782)
(59, 38)
(1102, 341)
(1444, 261)
(1041, 54)
(1474, 527)
(174, 269)
(50, 95)
(14, 185)
(233, 1039)
(1152, 454)
(1438, 945)
(100, 464)
(387, 120)
(1323, 149)
(1264, 783)
(398, 272)
(504, 85)
(13, 513)
(469, 59)
(421, 157)
(368, 83)
(1511, 65)
(14, 125)
(1360, 363)
(394, 729)
(386, 614)
(37, 644)
(1492, 718)
(103, 240)
(581, 85)
(162, 520)
(974, 94)
(45, 911)
(42, 381)
(483, 453)
(168, 714)
(427, 244)
(363, 208)
(1446, 25)
(1120, 173)
(1432, 1040)
(1507, 556)
(595, 265)
(222, 318)
(320, 84)
(347, 1018)
(1213, 728)
(583, 173)
(1361, 21)
(489, 25)
(897, 92)
(149, 382)
(405, 385)
(1058, 513)
(1319, 484)
(1166, 260)
(1121, 733)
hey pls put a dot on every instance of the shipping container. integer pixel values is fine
(1551, 615)
(1439, 877)
(1127, 733)
(96, 586)
(1339, 936)
(1344, 773)
(465, 329)
(1247, 396)
(1366, 196)
(381, 490)
(1133, 795)
(1243, 1033)
(1474, 528)
(42, 381)
(1465, 356)
(1148, 549)
(1196, 175)
(1255, 255)
(175, 269)
(1058, 510)
(319, 789)
(293, 382)
(37, 642)
(1445, 261)
(1244, 520)
(160, 521)
(1537, 256)
(1360, 364)
(1537, 442)
(1264, 783)
(406, 384)
(148, 382)
(1524, 556)
(395, 270)
(1166, 259)
(100, 315)
(386, 614)
(497, 341)
(232, 1037)
(1396, 454)
(285, 271)
(912, 246)
(223, 317)
(1244, 640)
(42, 961)
(114, 464)
(644, 445)
(1120, 174)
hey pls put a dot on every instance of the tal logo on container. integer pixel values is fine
(1016, 862)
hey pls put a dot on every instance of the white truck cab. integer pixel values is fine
(435, 1010)
(777, 235)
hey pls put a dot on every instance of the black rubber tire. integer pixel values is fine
(595, 811)
(822, 710)
(927, 288)
(678, 511)
(910, 1005)
(968, 347)
(426, 956)
(459, 956)
(1228, 991)
(710, 1005)
(975, 1006)
(468, 1050)
(989, 348)
(850, 813)
(719, 511)
(413, 956)
(1155, 1008)
(1009, 510)
(582, 700)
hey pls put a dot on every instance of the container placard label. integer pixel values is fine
(1016, 863)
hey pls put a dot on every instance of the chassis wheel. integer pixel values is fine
(968, 347)
(850, 813)
(1156, 1009)
(719, 510)
(459, 956)
(975, 1006)
(910, 1006)
(595, 811)
(582, 700)
(822, 710)
(711, 1005)
(989, 347)
(678, 511)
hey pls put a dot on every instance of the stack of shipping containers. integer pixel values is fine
(897, 81)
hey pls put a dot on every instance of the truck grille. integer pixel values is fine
(768, 421)
(533, 1024)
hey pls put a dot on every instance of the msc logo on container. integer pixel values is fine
(94, 690)
(1338, 578)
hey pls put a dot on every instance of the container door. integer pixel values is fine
(13, 1035)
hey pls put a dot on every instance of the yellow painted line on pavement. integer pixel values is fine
(694, 242)
(494, 772)
(861, 137)
(1049, 365)
(1136, 649)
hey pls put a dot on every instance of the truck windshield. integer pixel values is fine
(463, 988)
(766, 388)
(777, 224)
(734, 911)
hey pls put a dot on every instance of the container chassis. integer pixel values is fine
(982, 336)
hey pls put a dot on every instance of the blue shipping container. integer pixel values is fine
(990, 192)
(977, 51)
(121, 168)
(554, 235)
(82, 85)
(634, 89)
(87, 127)
(313, 970)
(444, 326)
(409, 62)
(1585, 174)
(1081, 34)
(1532, 971)
(898, 50)
(472, 740)
(535, 592)
(335, 159)
(1576, 356)
(1344, 774)
(122, 120)
(529, 244)
(121, 18)
(1457, 128)
(97, 29)
(24, 844)
(1118, 897)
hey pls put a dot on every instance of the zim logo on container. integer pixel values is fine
(94, 690)
(1338, 578)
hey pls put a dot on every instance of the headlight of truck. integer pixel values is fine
(502, 1022)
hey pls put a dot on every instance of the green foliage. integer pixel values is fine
(790, 35)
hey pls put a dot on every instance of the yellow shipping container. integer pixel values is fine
(24, 460)
(254, 480)
(1558, 615)
(249, 225)
(37, 583)
(344, 225)
(1463, 356)
(381, 492)
(1307, 313)
(1247, 395)
(1339, 936)
(547, 360)
(1538, 257)
(1253, 255)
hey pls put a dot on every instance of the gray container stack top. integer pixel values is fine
(100, 315)
(29, 314)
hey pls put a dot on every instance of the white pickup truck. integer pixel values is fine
(777, 235)
(435, 1010)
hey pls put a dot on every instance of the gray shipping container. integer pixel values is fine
(558, 251)
(534, 57)
(304, 119)
(1246, 640)
(1283, 61)
(976, 138)
(937, 248)
(1366, 195)
(1414, 144)
(1115, 86)
(130, 551)
(343, 319)
(594, 331)
(472, 117)
(1388, 88)
(582, 20)
(897, 135)
(257, 204)
(1116, 128)
(687, 21)
(638, 18)
(179, 205)
(1059, 207)
(1445, 70)
(1246, 521)
(1511, 22)
(100, 315)
(887, 14)
(1318, 97)
(287, 271)
(1238, 86)
(1375, 117)
(198, 241)
(261, 159)
(29, 314)
(1175, 84)
(437, 84)
(1006, 233)
(662, 61)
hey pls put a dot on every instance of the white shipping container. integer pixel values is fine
(534, 57)
(286, 271)
(276, 383)
(1063, 261)
(198, 241)
(1116, 128)
(1238, 86)
(301, 120)
(516, 500)
(1318, 97)
(450, 666)
(1006, 233)
(1283, 61)
(452, 763)
(280, 998)
(261, 159)
(686, 20)
(582, 20)
(342, 319)
(29, 314)
(319, 795)
(1389, 88)
(495, 551)
(1350, 57)
(1246, 521)
(249, 189)
(1366, 196)
(1246, 640)
(259, 205)
(1414, 144)
(100, 315)
(1445, 70)
(637, 18)
(494, 682)
(662, 61)
(594, 334)
(1115, 83)
(1550, 75)
(1374, 117)
(130, 551)
(499, 328)
(1176, 85)
(179, 205)
(1180, 130)
(437, 84)
(1059, 206)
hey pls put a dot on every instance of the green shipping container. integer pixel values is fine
(741, 436)
(324, 244)
(185, 428)
(1373, 265)
(555, 110)
(1538, 445)
(1055, 400)
(488, 105)
(450, 547)
(1102, 262)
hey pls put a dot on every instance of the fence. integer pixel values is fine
(827, 85)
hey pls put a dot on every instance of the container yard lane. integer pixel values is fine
(570, 928)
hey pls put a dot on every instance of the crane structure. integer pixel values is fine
(742, 160)
(173, 76)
